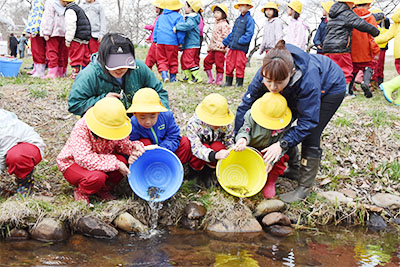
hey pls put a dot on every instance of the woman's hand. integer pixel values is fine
(240, 144)
(123, 169)
(272, 153)
(222, 154)
(135, 154)
(114, 95)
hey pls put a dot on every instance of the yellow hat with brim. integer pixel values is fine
(221, 6)
(158, 3)
(346, 1)
(271, 5)
(327, 5)
(107, 119)
(173, 4)
(146, 100)
(243, 2)
(362, 2)
(375, 10)
(195, 5)
(271, 111)
(296, 6)
(69, 0)
(214, 110)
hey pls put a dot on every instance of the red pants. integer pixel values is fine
(57, 52)
(278, 168)
(235, 59)
(151, 57)
(198, 164)
(38, 49)
(379, 65)
(78, 54)
(345, 63)
(397, 64)
(190, 58)
(216, 57)
(21, 159)
(93, 46)
(167, 58)
(357, 66)
(91, 182)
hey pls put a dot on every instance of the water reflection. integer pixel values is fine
(241, 259)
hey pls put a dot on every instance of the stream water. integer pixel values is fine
(176, 247)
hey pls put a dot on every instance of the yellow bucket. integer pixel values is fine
(242, 174)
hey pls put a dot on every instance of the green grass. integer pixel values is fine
(38, 92)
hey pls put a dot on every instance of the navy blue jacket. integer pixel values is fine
(165, 132)
(163, 32)
(242, 32)
(320, 34)
(315, 76)
(191, 28)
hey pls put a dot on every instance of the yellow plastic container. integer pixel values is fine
(242, 174)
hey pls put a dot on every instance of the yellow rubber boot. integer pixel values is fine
(389, 88)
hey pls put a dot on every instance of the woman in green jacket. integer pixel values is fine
(112, 72)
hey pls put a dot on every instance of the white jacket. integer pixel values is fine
(95, 13)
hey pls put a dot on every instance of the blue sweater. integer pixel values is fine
(242, 32)
(163, 30)
(165, 132)
(320, 34)
(191, 28)
(315, 76)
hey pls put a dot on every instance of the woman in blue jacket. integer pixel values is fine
(314, 87)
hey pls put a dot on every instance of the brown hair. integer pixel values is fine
(278, 63)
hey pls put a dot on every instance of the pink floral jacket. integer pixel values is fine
(93, 153)
(220, 32)
(53, 21)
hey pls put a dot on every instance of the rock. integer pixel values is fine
(190, 224)
(91, 226)
(280, 230)
(50, 229)
(386, 200)
(334, 197)
(267, 206)
(228, 226)
(18, 234)
(275, 218)
(128, 223)
(349, 193)
(194, 211)
(376, 222)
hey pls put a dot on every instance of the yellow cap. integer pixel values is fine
(327, 5)
(107, 119)
(296, 5)
(69, 0)
(146, 100)
(195, 5)
(346, 1)
(243, 2)
(271, 111)
(270, 5)
(375, 10)
(214, 110)
(362, 2)
(221, 6)
(159, 3)
(172, 4)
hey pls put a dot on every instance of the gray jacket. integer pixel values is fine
(95, 13)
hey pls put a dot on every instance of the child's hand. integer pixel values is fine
(123, 169)
(119, 96)
(150, 147)
(46, 37)
(67, 44)
(268, 168)
(240, 144)
(222, 154)
(174, 29)
(272, 153)
(135, 154)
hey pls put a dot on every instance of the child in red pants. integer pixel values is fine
(77, 36)
(21, 149)
(93, 159)
(264, 124)
(151, 57)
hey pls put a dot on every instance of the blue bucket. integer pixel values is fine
(9, 67)
(156, 175)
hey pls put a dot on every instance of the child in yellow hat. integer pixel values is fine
(210, 132)
(273, 28)
(93, 159)
(264, 124)
(297, 32)
(153, 124)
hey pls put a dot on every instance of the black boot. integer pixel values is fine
(350, 85)
(239, 82)
(25, 186)
(380, 80)
(292, 171)
(366, 80)
(228, 81)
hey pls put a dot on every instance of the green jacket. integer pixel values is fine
(93, 84)
(258, 136)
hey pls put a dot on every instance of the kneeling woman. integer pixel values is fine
(314, 87)
(93, 158)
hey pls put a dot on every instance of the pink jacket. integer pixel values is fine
(53, 21)
(201, 26)
(273, 32)
(151, 28)
(93, 153)
(220, 32)
(297, 33)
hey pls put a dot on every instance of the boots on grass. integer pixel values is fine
(292, 171)
(172, 77)
(311, 157)
(220, 78)
(39, 72)
(188, 76)
(239, 82)
(25, 186)
(164, 76)
(228, 81)
(196, 76)
(33, 70)
(389, 88)
(366, 80)
(210, 77)
(51, 74)
(75, 71)
(269, 188)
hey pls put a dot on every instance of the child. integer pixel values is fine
(273, 28)
(190, 57)
(321, 31)
(210, 132)
(13, 45)
(151, 57)
(95, 13)
(153, 124)
(22, 42)
(167, 41)
(239, 41)
(93, 158)
(216, 49)
(363, 49)
(264, 124)
(77, 36)
(297, 29)
(337, 43)
(52, 29)
(21, 149)
(38, 45)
